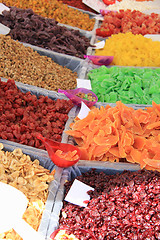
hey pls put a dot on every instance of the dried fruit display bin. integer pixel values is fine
(110, 132)
(45, 162)
(75, 64)
(50, 33)
(131, 85)
(51, 95)
(72, 173)
(55, 55)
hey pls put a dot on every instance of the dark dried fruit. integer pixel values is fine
(28, 27)
(123, 206)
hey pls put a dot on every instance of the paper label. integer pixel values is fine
(4, 29)
(78, 193)
(3, 7)
(84, 83)
(99, 45)
(95, 5)
(83, 111)
(154, 37)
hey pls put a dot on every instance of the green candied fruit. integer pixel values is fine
(157, 70)
(101, 98)
(131, 93)
(124, 99)
(102, 91)
(101, 77)
(94, 85)
(153, 89)
(146, 83)
(110, 89)
(137, 71)
(107, 83)
(138, 90)
(120, 77)
(156, 97)
(107, 98)
(138, 80)
(128, 84)
(104, 69)
(147, 74)
(113, 97)
(158, 83)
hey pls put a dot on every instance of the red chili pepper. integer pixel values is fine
(109, 2)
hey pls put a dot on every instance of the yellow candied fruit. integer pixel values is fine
(131, 50)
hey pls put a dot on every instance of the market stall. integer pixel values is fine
(80, 117)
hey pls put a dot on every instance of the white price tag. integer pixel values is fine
(154, 37)
(3, 7)
(95, 5)
(78, 193)
(4, 29)
(99, 45)
(84, 83)
(83, 111)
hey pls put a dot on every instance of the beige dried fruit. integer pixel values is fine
(27, 66)
(30, 178)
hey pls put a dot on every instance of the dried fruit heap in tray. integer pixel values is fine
(17, 170)
(28, 27)
(118, 133)
(57, 10)
(129, 21)
(131, 50)
(27, 66)
(127, 84)
(122, 206)
(23, 115)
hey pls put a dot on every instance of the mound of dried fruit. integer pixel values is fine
(131, 50)
(57, 10)
(122, 206)
(118, 133)
(26, 26)
(17, 170)
(23, 115)
(129, 21)
(25, 65)
(127, 84)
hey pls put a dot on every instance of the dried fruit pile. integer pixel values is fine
(57, 10)
(129, 21)
(131, 50)
(23, 115)
(118, 133)
(17, 170)
(26, 26)
(129, 85)
(122, 206)
(27, 66)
